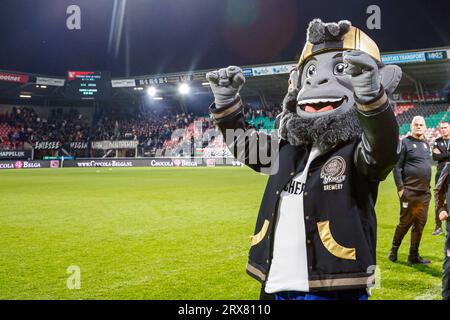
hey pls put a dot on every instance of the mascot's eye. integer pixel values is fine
(311, 71)
(339, 69)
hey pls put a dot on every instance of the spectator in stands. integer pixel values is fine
(441, 154)
(412, 176)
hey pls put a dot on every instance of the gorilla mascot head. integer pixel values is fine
(318, 108)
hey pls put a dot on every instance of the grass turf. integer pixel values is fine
(160, 233)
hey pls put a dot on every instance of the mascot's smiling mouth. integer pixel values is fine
(321, 104)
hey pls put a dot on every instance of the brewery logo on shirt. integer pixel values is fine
(332, 173)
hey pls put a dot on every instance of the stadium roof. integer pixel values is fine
(423, 70)
(433, 75)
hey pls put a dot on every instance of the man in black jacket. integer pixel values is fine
(315, 235)
(442, 198)
(441, 154)
(412, 175)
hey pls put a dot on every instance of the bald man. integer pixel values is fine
(412, 175)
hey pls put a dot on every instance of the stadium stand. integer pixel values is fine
(23, 126)
(433, 115)
(262, 117)
(401, 108)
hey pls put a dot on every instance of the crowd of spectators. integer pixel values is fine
(24, 125)
(151, 129)
(269, 111)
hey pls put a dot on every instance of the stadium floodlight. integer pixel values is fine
(151, 91)
(184, 88)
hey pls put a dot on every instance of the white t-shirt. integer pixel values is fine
(289, 269)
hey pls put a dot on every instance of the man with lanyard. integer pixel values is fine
(441, 154)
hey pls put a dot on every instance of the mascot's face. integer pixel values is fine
(319, 108)
(325, 88)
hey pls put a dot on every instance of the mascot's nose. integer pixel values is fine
(317, 81)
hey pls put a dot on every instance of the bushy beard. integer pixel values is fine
(325, 132)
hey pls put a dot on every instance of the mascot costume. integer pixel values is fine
(337, 138)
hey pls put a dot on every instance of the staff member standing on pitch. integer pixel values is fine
(441, 154)
(412, 176)
(442, 197)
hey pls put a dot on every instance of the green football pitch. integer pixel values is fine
(160, 233)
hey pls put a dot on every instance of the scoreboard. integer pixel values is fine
(88, 85)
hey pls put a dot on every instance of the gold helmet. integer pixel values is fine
(322, 37)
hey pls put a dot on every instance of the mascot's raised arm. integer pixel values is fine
(315, 235)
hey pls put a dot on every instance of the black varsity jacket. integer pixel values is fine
(339, 196)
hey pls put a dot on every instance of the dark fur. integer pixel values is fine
(319, 32)
(325, 132)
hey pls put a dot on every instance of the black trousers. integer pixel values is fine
(413, 213)
(446, 266)
(436, 178)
